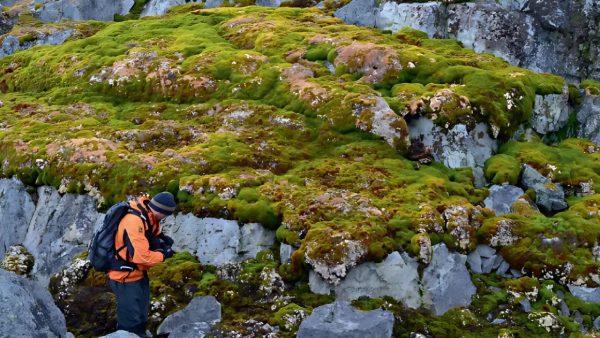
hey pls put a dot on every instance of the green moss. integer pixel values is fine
(591, 86)
(502, 168)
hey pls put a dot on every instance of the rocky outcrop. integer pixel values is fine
(217, 241)
(539, 35)
(484, 259)
(548, 196)
(28, 309)
(11, 43)
(502, 197)
(456, 147)
(102, 10)
(588, 117)
(340, 319)
(195, 320)
(550, 112)
(446, 281)
(18, 260)
(60, 228)
(16, 211)
(121, 334)
(160, 7)
(396, 276)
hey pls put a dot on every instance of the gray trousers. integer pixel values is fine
(133, 302)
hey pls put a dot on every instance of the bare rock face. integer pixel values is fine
(28, 309)
(340, 319)
(536, 34)
(60, 229)
(588, 117)
(456, 147)
(446, 281)
(16, 211)
(217, 241)
(102, 10)
(396, 276)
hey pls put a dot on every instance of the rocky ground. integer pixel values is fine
(325, 173)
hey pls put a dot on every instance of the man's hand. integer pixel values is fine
(166, 239)
(167, 252)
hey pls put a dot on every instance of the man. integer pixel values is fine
(140, 242)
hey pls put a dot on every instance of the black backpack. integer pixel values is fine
(101, 249)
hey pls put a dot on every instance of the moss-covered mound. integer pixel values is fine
(282, 116)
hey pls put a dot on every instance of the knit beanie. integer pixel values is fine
(163, 202)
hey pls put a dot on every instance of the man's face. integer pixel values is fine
(159, 215)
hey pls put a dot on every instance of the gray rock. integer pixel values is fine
(549, 196)
(213, 3)
(270, 3)
(340, 319)
(28, 309)
(102, 10)
(446, 281)
(427, 17)
(197, 317)
(160, 7)
(564, 309)
(485, 250)
(285, 253)
(121, 334)
(585, 293)
(597, 323)
(214, 241)
(358, 12)
(474, 261)
(588, 117)
(525, 305)
(397, 276)
(457, 147)
(217, 241)
(61, 228)
(502, 197)
(254, 238)
(503, 268)
(11, 44)
(16, 211)
(550, 112)
(538, 34)
(487, 264)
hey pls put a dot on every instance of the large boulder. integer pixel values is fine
(102, 10)
(502, 197)
(195, 320)
(550, 112)
(446, 281)
(456, 147)
(548, 195)
(28, 309)
(217, 241)
(60, 229)
(160, 7)
(358, 12)
(397, 276)
(341, 320)
(427, 17)
(16, 211)
(588, 117)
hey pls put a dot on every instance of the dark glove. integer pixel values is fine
(166, 239)
(167, 252)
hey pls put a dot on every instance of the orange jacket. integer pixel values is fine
(135, 229)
